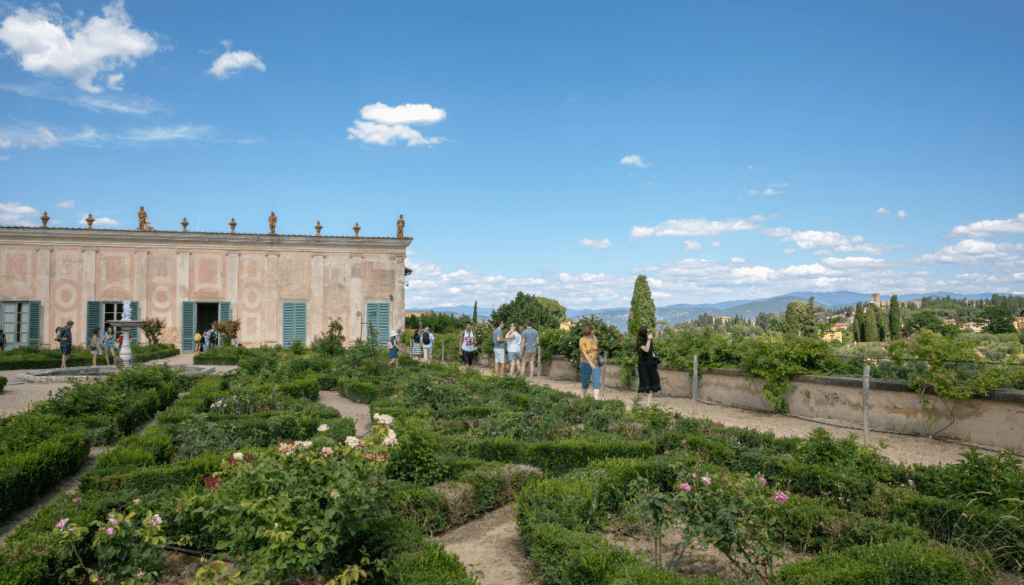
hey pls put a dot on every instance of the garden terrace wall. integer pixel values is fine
(996, 420)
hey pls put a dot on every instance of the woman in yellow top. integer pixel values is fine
(588, 360)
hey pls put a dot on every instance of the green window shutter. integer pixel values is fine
(300, 323)
(378, 322)
(92, 320)
(35, 313)
(188, 327)
(225, 311)
(288, 325)
(135, 316)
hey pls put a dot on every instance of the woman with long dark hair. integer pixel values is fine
(647, 364)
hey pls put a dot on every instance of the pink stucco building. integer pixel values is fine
(282, 288)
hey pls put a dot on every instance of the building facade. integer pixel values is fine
(281, 288)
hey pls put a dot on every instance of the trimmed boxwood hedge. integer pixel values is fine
(25, 475)
(40, 359)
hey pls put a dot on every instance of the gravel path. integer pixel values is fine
(490, 544)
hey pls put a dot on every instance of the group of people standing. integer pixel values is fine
(647, 362)
(204, 341)
(515, 349)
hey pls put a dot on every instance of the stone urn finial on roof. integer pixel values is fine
(89, 220)
(184, 224)
(273, 223)
(45, 218)
(232, 224)
(356, 229)
(318, 227)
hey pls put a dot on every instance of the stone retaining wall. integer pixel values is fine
(996, 421)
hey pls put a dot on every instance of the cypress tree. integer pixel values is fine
(895, 322)
(870, 323)
(474, 312)
(641, 307)
(858, 323)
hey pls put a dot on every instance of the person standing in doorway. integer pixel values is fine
(530, 338)
(467, 348)
(647, 364)
(198, 342)
(108, 341)
(417, 347)
(94, 345)
(393, 350)
(499, 351)
(589, 369)
(64, 338)
(3, 340)
(428, 345)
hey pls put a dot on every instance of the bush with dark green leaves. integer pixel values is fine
(27, 474)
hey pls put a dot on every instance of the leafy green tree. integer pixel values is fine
(554, 307)
(895, 323)
(999, 319)
(641, 308)
(474, 312)
(919, 320)
(524, 307)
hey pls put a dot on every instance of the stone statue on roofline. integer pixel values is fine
(144, 221)
(273, 223)
(401, 226)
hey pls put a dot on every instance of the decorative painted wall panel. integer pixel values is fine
(16, 276)
(114, 274)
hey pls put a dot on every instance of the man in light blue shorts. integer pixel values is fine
(499, 351)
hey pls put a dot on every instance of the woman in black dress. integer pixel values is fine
(647, 364)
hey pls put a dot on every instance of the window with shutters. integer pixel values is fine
(15, 323)
(293, 323)
(378, 322)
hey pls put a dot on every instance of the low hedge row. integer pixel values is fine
(559, 457)
(39, 359)
(27, 474)
(429, 566)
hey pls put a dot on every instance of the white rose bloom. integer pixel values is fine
(238, 456)
(352, 442)
(323, 428)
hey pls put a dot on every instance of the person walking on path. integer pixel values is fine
(589, 369)
(530, 338)
(467, 349)
(515, 347)
(428, 345)
(393, 350)
(647, 364)
(198, 338)
(3, 340)
(64, 338)
(109, 343)
(94, 345)
(417, 345)
(499, 351)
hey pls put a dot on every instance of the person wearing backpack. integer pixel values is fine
(428, 345)
(417, 347)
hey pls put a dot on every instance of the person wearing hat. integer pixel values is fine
(393, 349)
(64, 338)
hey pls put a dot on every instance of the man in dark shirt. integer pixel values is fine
(530, 338)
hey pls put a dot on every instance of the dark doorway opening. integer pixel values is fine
(206, 314)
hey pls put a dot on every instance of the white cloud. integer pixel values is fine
(14, 213)
(789, 251)
(46, 45)
(122, 104)
(697, 227)
(100, 221)
(385, 125)
(770, 191)
(990, 227)
(809, 239)
(716, 244)
(902, 214)
(66, 204)
(882, 210)
(42, 138)
(971, 252)
(692, 245)
(114, 81)
(599, 244)
(634, 160)
(404, 114)
(156, 134)
(231, 62)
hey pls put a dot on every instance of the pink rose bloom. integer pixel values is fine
(694, 476)
(76, 501)
(781, 498)
(60, 525)
(762, 481)
(685, 487)
(706, 480)
(110, 532)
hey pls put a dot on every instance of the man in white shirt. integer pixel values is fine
(427, 339)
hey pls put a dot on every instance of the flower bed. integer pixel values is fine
(248, 465)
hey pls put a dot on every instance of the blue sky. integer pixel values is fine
(725, 149)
